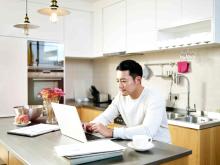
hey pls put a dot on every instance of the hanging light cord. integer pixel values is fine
(26, 7)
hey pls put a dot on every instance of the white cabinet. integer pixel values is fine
(179, 12)
(78, 34)
(97, 32)
(197, 25)
(114, 27)
(13, 71)
(168, 13)
(196, 10)
(141, 25)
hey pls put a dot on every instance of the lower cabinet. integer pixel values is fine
(13, 160)
(205, 144)
(3, 154)
(88, 114)
(8, 158)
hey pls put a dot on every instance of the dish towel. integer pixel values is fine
(183, 66)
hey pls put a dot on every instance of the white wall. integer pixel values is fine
(78, 78)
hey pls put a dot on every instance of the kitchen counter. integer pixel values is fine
(40, 149)
(214, 116)
(90, 104)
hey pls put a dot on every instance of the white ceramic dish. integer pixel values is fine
(22, 125)
(149, 146)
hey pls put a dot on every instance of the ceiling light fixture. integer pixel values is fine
(54, 11)
(26, 25)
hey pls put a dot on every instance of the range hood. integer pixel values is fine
(123, 53)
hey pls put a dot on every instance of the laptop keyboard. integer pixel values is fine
(89, 136)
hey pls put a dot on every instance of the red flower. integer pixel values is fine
(51, 93)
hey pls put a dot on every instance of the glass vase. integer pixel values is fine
(51, 119)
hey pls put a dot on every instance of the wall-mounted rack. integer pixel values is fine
(161, 64)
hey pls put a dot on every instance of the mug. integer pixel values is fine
(141, 141)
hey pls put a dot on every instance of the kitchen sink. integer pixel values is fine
(173, 115)
(188, 119)
(194, 119)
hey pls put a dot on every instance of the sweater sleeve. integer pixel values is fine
(109, 114)
(152, 121)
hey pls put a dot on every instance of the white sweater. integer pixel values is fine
(144, 115)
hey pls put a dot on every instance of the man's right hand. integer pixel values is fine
(88, 127)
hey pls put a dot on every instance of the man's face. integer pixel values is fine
(127, 85)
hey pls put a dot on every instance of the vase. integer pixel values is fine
(51, 119)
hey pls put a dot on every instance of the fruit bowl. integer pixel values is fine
(33, 111)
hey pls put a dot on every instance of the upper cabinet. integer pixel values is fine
(141, 25)
(168, 13)
(196, 10)
(146, 25)
(78, 34)
(114, 27)
(187, 23)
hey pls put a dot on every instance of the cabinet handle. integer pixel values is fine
(47, 79)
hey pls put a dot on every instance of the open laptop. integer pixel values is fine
(70, 124)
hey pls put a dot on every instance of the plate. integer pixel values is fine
(151, 145)
(22, 125)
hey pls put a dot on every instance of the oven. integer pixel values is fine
(39, 79)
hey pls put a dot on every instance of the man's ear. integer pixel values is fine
(138, 79)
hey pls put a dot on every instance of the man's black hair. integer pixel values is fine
(132, 66)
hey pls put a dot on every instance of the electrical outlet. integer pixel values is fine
(174, 96)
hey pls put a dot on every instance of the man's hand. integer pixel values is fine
(98, 127)
(88, 127)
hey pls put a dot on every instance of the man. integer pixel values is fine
(142, 109)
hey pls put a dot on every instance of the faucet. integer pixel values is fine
(188, 109)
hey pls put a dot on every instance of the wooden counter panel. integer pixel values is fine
(13, 160)
(88, 114)
(181, 161)
(205, 143)
(3, 154)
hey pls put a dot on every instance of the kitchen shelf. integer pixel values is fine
(197, 33)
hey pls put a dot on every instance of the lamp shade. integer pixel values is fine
(53, 11)
(26, 25)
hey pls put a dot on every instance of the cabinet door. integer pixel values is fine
(12, 160)
(13, 71)
(114, 30)
(88, 114)
(3, 154)
(141, 25)
(188, 138)
(78, 34)
(168, 13)
(196, 10)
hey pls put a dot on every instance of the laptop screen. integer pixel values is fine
(69, 121)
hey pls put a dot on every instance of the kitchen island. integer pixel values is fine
(16, 150)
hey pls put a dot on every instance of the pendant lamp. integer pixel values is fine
(26, 25)
(53, 11)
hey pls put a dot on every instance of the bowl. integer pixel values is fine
(33, 111)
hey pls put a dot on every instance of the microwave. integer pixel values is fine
(45, 54)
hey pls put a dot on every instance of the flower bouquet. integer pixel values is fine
(50, 95)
